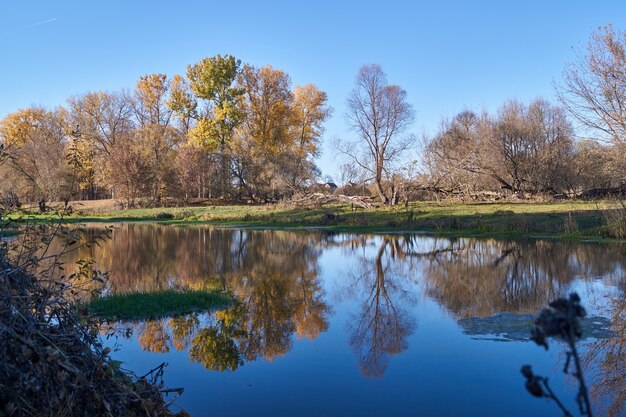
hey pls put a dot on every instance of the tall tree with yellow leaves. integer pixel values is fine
(213, 106)
(155, 133)
(310, 110)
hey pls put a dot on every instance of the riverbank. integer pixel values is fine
(577, 220)
(52, 363)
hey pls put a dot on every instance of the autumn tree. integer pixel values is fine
(309, 110)
(192, 164)
(213, 105)
(155, 133)
(183, 103)
(280, 133)
(100, 120)
(174, 137)
(130, 172)
(150, 103)
(36, 140)
(379, 115)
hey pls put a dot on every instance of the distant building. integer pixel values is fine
(330, 186)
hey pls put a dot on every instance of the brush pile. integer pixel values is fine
(51, 360)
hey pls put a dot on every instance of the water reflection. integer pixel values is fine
(477, 278)
(381, 326)
(609, 373)
(379, 281)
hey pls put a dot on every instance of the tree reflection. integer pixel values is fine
(154, 336)
(606, 360)
(382, 326)
(273, 275)
(478, 278)
(215, 347)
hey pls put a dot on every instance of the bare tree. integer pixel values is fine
(379, 114)
(522, 149)
(453, 157)
(594, 86)
(348, 174)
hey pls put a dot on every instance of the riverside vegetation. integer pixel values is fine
(52, 361)
(235, 145)
(589, 220)
(230, 130)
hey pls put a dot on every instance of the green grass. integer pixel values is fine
(137, 306)
(567, 220)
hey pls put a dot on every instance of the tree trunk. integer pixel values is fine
(379, 185)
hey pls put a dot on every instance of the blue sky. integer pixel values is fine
(448, 55)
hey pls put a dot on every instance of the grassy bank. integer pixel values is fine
(571, 219)
(137, 306)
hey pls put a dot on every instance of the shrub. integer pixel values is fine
(615, 221)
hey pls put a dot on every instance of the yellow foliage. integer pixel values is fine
(204, 134)
(309, 110)
(21, 126)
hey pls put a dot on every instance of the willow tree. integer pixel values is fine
(379, 115)
(212, 104)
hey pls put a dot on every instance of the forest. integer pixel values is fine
(230, 130)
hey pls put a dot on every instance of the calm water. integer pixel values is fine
(363, 325)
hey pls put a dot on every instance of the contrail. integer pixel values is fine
(44, 21)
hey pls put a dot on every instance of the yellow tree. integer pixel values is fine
(156, 135)
(280, 133)
(35, 141)
(264, 142)
(151, 96)
(212, 104)
(310, 110)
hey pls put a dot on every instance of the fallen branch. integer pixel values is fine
(320, 199)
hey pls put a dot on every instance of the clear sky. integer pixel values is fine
(448, 55)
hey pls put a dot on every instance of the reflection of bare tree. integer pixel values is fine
(606, 359)
(275, 275)
(477, 278)
(382, 326)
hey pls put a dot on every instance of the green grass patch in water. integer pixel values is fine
(137, 306)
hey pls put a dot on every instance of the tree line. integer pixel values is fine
(226, 129)
(576, 148)
(232, 130)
